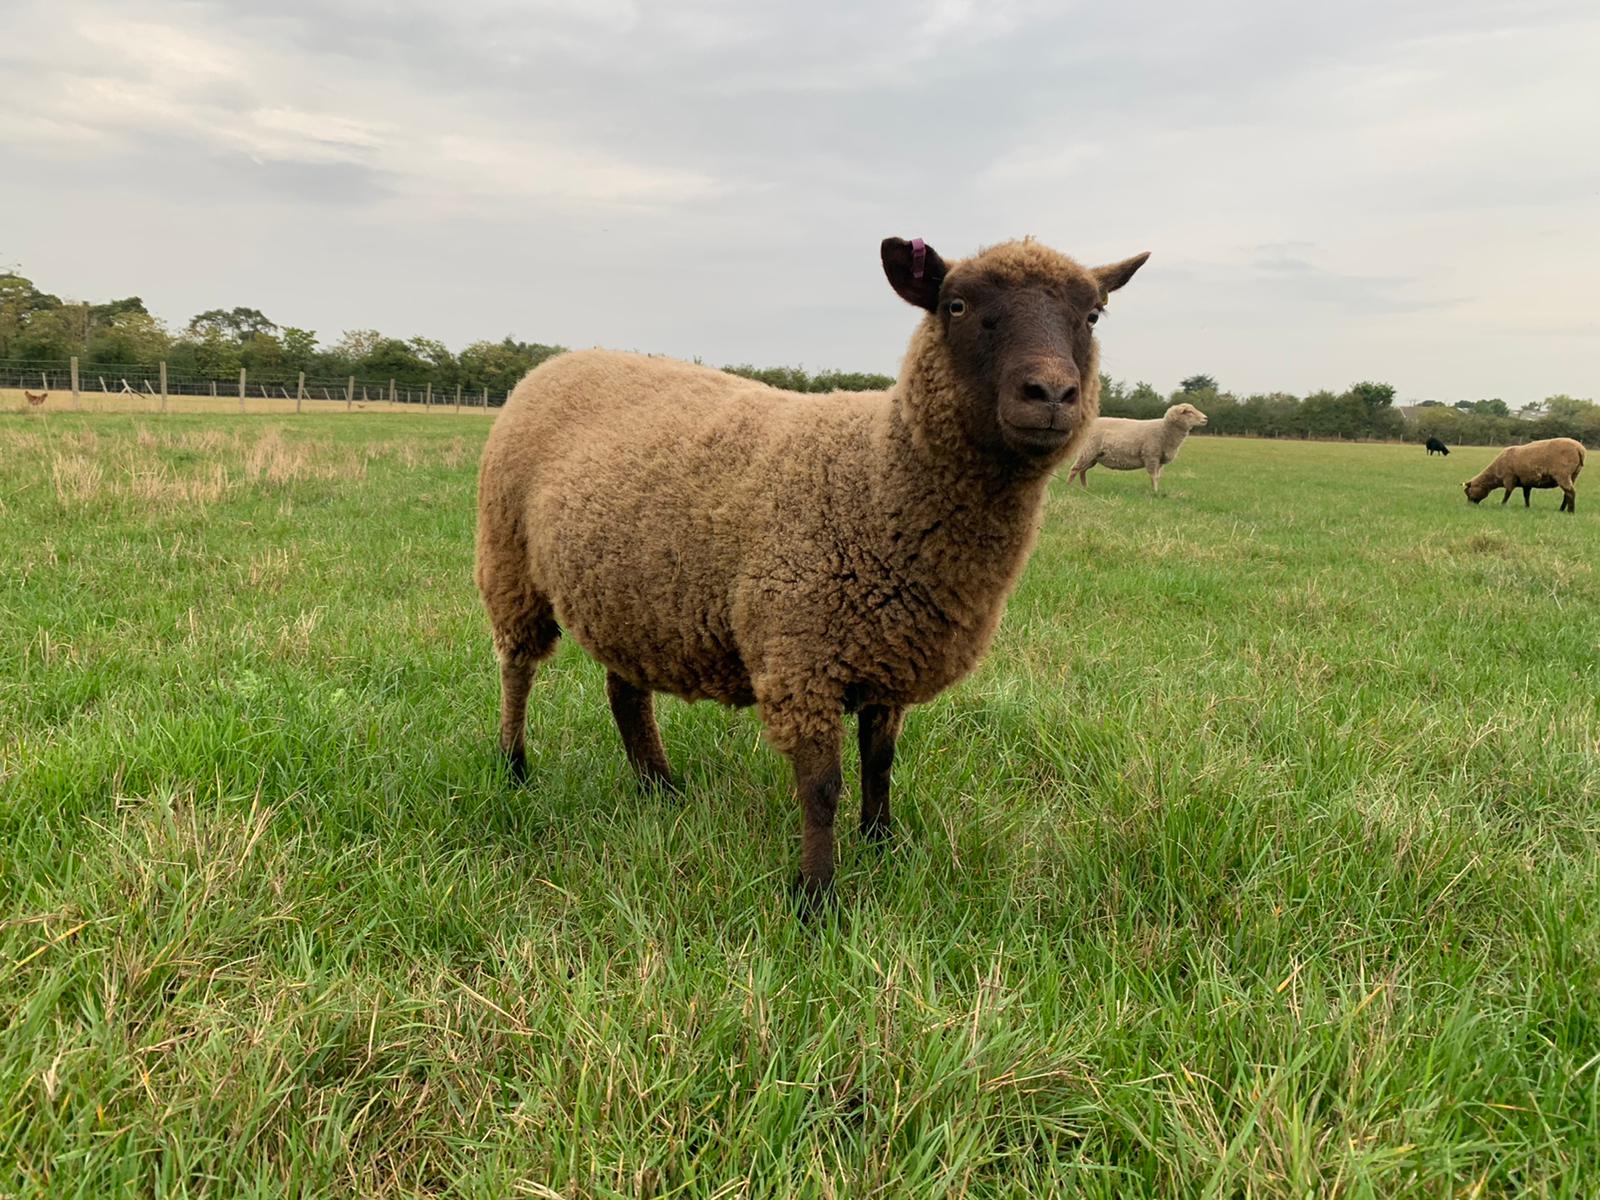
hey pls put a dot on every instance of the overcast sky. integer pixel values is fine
(1399, 191)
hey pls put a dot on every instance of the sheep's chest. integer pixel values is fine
(914, 648)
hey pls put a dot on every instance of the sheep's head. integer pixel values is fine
(1477, 489)
(1186, 415)
(1015, 327)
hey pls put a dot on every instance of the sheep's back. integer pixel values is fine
(1539, 463)
(648, 487)
(1122, 441)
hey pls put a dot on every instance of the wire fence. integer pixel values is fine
(154, 382)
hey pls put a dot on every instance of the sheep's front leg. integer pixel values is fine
(877, 730)
(1509, 489)
(1527, 496)
(1155, 477)
(817, 780)
(634, 711)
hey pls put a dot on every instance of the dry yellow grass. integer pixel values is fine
(256, 456)
(12, 400)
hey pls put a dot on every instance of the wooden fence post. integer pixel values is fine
(391, 393)
(427, 397)
(458, 397)
(486, 398)
(241, 389)
(74, 383)
(349, 393)
(300, 391)
(213, 389)
(163, 385)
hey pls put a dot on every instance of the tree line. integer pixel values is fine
(1364, 410)
(36, 326)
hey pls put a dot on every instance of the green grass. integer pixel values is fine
(1259, 859)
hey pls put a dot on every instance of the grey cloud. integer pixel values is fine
(343, 183)
(1295, 281)
(712, 177)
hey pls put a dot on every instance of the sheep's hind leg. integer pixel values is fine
(634, 710)
(1527, 497)
(522, 646)
(877, 729)
(1569, 498)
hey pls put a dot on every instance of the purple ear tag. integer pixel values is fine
(919, 254)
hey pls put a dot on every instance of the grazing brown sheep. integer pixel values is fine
(1126, 445)
(710, 537)
(1554, 462)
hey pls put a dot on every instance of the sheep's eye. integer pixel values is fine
(956, 307)
(1094, 315)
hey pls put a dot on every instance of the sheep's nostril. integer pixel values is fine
(1050, 391)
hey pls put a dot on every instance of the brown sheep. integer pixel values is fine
(1554, 462)
(711, 537)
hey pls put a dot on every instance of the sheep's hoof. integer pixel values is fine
(813, 897)
(660, 785)
(517, 765)
(878, 834)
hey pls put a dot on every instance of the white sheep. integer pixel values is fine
(1126, 445)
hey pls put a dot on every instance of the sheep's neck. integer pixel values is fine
(963, 521)
(1172, 435)
(959, 510)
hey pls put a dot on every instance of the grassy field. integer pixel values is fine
(95, 401)
(1260, 858)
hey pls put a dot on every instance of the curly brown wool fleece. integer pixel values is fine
(711, 537)
(1553, 462)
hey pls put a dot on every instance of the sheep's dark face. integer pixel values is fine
(1476, 491)
(1017, 321)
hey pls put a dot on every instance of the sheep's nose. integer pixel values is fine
(1051, 391)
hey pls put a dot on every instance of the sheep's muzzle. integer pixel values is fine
(1041, 405)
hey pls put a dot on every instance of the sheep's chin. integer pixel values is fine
(1036, 442)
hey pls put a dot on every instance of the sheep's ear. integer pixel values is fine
(1116, 274)
(915, 271)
